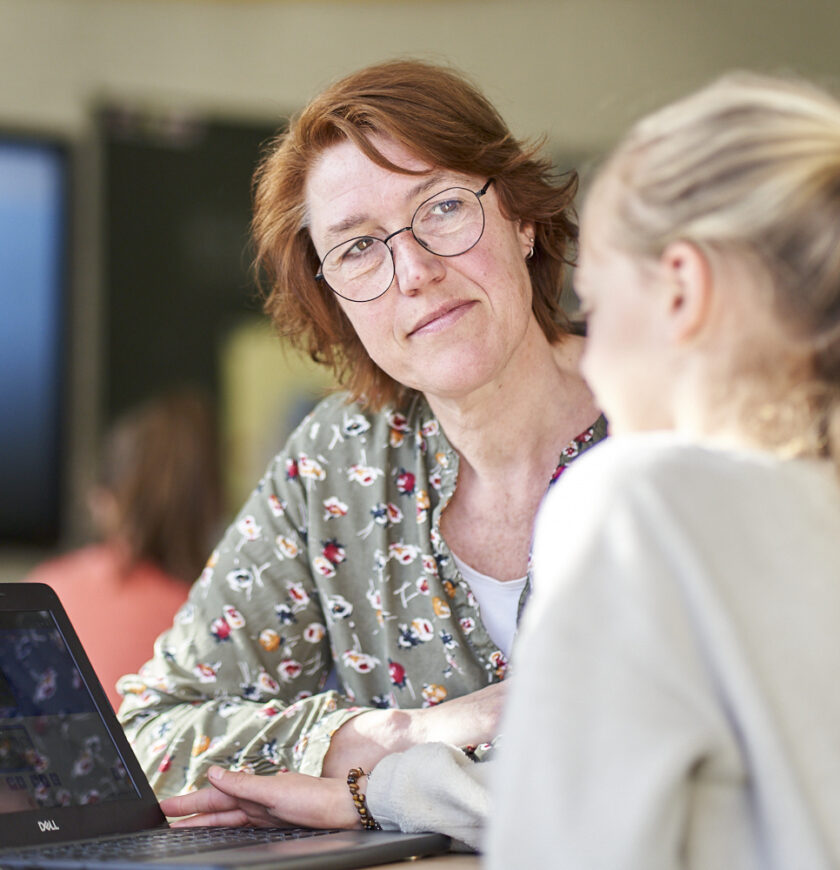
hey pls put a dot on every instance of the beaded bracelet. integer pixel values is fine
(368, 821)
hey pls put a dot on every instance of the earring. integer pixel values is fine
(531, 251)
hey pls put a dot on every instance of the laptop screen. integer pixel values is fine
(66, 768)
(54, 748)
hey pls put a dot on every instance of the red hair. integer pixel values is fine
(445, 121)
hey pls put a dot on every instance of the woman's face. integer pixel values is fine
(447, 325)
(626, 360)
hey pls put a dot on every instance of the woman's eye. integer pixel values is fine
(359, 247)
(446, 207)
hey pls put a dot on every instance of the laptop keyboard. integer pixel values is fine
(162, 843)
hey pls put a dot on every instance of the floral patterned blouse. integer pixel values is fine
(336, 562)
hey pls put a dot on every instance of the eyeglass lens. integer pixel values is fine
(447, 224)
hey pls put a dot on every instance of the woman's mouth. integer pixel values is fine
(441, 318)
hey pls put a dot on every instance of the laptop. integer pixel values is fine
(73, 795)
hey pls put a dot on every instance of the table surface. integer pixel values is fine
(458, 861)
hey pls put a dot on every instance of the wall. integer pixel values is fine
(576, 70)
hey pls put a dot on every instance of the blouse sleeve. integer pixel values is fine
(238, 680)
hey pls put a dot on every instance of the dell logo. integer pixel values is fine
(48, 825)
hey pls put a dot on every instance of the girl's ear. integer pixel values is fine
(688, 289)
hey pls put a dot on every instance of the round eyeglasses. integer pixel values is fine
(446, 224)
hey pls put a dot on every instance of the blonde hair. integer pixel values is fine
(751, 164)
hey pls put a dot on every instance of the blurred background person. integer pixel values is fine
(156, 507)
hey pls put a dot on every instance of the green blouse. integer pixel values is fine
(336, 562)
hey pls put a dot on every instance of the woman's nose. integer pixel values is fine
(414, 264)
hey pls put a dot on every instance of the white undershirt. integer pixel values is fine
(499, 603)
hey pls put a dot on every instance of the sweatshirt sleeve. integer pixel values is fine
(239, 678)
(431, 787)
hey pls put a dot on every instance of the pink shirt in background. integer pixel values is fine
(116, 614)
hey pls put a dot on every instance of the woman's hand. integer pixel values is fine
(236, 798)
(367, 738)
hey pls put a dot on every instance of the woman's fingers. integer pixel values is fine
(205, 800)
(210, 806)
(232, 818)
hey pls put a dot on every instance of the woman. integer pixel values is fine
(410, 243)
(697, 726)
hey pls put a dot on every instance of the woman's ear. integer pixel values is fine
(688, 289)
(527, 234)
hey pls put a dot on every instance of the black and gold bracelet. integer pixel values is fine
(368, 821)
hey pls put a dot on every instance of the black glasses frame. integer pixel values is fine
(319, 275)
